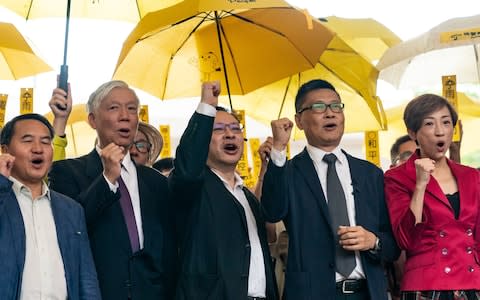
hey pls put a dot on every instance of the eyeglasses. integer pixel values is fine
(221, 127)
(142, 146)
(321, 107)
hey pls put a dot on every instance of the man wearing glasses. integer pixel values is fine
(223, 247)
(332, 204)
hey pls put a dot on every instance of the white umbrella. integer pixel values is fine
(451, 48)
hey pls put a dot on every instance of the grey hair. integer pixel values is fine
(102, 92)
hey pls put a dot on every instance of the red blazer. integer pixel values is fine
(442, 252)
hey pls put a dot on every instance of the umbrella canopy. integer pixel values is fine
(451, 48)
(469, 113)
(125, 10)
(367, 36)
(347, 64)
(173, 50)
(351, 74)
(17, 59)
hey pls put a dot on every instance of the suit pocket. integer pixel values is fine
(199, 287)
(297, 286)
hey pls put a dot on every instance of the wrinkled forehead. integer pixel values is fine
(225, 117)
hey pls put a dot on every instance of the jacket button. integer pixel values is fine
(331, 265)
(247, 245)
(469, 250)
(447, 270)
(442, 234)
(469, 231)
(444, 251)
(470, 269)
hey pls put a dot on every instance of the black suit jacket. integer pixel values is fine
(293, 193)
(146, 274)
(215, 247)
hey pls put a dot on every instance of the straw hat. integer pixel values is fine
(155, 138)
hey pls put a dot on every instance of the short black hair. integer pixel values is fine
(307, 87)
(9, 129)
(395, 150)
(233, 113)
(163, 164)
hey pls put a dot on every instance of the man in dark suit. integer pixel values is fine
(223, 247)
(44, 246)
(338, 236)
(127, 207)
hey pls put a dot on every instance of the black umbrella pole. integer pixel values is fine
(63, 78)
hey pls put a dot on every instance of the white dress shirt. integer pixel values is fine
(343, 172)
(257, 282)
(43, 275)
(129, 176)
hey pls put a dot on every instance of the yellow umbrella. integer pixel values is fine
(17, 59)
(173, 50)
(368, 37)
(469, 113)
(347, 64)
(80, 136)
(124, 10)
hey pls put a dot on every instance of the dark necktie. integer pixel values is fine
(127, 209)
(337, 206)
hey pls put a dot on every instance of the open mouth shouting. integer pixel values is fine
(230, 148)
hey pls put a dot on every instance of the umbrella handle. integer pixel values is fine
(63, 82)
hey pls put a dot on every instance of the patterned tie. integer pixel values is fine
(337, 206)
(127, 209)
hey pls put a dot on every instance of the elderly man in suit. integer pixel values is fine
(332, 204)
(127, 207)
(223, 247)
(44, 248)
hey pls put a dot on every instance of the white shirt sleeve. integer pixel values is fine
(278, 157)
(206, 109)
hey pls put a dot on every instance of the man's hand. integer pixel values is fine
(6, 164)
(61, 106)
(356, 238)
(210, 92)
(112, 156)
(281, 130)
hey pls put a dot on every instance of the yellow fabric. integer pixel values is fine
(17, 59)
(172, 51)
(59, 144)
(125, 10)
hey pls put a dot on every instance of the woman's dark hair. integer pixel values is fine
(422, 106)
(9, 129)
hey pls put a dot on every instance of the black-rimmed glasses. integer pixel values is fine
(221, 127)
(142, 146)
(321, 107)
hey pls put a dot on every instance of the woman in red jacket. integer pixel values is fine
(434, 208)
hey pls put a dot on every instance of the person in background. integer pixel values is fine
(61, 107)
(223, 245)
(44, 247)
(164, 165)
(147, 145)
(332, 205)
(433, 207)
(129, 214)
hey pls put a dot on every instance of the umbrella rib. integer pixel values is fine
(284, 97)
(27, 17)
(221, 32)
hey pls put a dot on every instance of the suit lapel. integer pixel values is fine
(93, 164)
(305, 166)
(63, 238)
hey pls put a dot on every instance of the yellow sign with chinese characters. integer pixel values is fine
(143, 114)
(256, 159)
(242, 166)
(26, 100)
(449, 91)
(372, 147)
(460, 35)
(3, 107)
(167, 145)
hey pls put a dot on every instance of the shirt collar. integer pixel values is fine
(317, 154)
(20, 188)
(238, 179)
